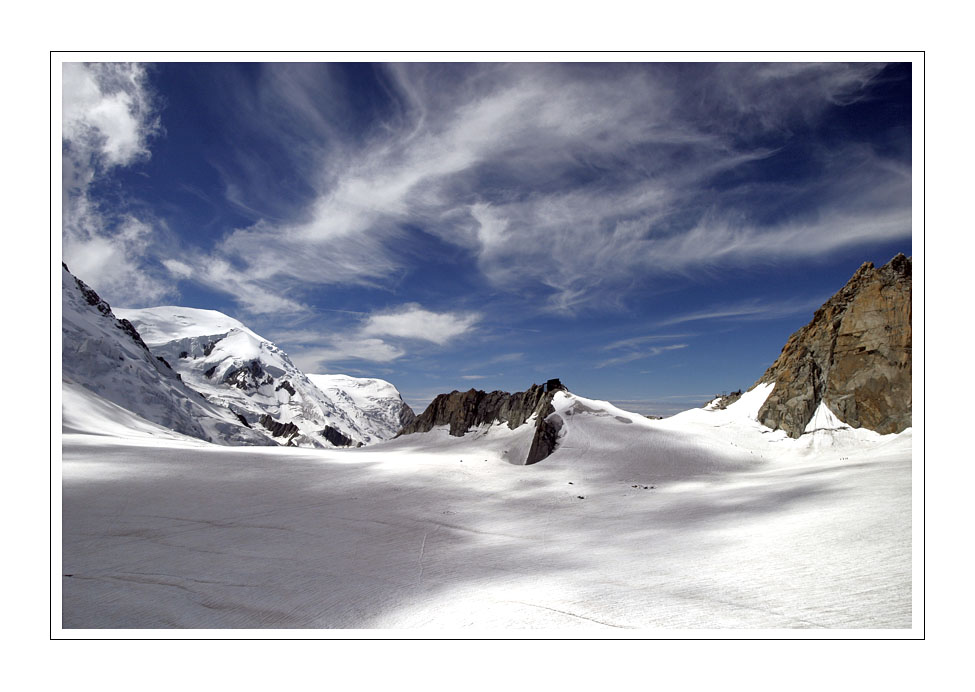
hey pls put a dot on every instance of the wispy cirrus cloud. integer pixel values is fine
(635, 341)
(750, 310)
(638, 354)
(548, 179)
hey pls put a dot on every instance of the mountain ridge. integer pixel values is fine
(233, 366)
(465, 411)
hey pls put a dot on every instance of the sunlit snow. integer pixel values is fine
(703, 520)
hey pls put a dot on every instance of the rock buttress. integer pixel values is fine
(855, 355)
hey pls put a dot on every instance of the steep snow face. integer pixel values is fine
(375, 405)
(108, 357)
(84, 412)
(234, 367)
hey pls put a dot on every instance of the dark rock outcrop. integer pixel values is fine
(463, 411)
(93, 299)
(546, 437)
(406, 415)
(855, 356)
(247, 376)
(335, 437)
(278, 429)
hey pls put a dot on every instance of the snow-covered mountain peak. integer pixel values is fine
(374, 403)
(235, 367)
(107, 356)
(170, 322)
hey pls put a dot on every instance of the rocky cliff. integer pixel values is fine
(854, 356)
(463, 411)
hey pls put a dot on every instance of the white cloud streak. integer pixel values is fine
(638, 340)
(639, 355)
(414, 322)
(405, 326)
(343, 349)
(107, 119)
(753, 310)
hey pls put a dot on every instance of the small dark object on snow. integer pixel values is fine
(634, 486)
(571, 483)
(581, 497)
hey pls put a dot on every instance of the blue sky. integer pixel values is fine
(649, 233)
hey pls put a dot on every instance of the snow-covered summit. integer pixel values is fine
(108, 357)
(233, 366)
(374, 404)
(167, 323)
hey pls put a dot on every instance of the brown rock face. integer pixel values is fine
(465, 410)
(855, 355)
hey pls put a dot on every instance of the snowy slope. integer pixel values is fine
(106, 356)
(704, 520)
(374, 404)
(234, 367)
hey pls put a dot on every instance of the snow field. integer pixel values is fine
(740, 529)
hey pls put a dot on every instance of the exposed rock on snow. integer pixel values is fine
(285, 430)
(464, 411)
(854, 358)
(723, 401)
(336, 438)
(108, 356)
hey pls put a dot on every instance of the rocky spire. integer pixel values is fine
(855, 356)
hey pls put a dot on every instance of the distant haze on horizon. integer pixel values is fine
(650, 233)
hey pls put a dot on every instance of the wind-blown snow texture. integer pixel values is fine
(239, 369)
(107, 356)
(703, 520)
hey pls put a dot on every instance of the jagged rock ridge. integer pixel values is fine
(463, 411)
(854, 357)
